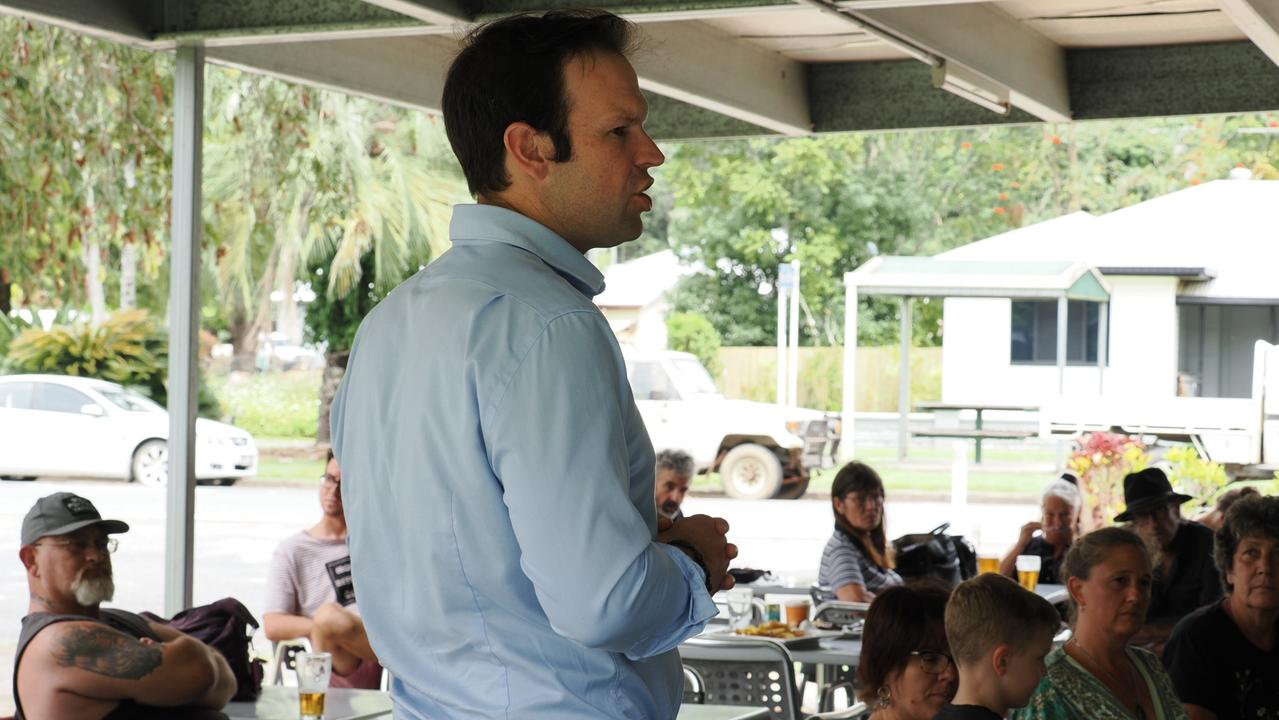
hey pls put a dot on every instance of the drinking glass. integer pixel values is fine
(1028, 571)
(797, 612)
(741, 602)
(314, 670)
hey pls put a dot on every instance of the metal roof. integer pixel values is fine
(938, 277)
(753, 67)
(1219, 238)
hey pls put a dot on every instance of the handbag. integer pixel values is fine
(225, 626)
(950, 558)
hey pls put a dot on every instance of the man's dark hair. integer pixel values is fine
(677, 461)
(1251, 517)
(512, 70)
(902, 619)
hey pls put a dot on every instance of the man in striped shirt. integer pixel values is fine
(310, 593)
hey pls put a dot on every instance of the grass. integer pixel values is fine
(279, 405)
(289, 470)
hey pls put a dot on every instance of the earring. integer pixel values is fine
(885, 697)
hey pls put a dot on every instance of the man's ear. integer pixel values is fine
(528, 151)
(1001, 658)
(27, 554)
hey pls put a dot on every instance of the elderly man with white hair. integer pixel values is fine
(1050, 536)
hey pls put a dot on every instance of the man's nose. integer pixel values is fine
(650, 154)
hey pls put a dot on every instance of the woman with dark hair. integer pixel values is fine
(856, 564)
(1097, 674)
(1224, 657)
(905, 669)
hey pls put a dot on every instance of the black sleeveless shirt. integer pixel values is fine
(134, 626)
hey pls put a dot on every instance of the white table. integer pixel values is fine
(722, 712)
(281, 703)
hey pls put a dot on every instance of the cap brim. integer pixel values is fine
(110, 526)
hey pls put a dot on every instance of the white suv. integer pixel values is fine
(760, 450)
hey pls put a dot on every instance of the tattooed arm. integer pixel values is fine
(224, 684)
(93, 662)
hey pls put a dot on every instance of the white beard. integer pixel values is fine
(93, 591)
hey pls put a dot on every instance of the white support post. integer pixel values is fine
(781, 345)
(959, 488)
(903, 378)
(184, 294)
(848, 406)
(792, 365)
(1063, 307)
(1103, 337)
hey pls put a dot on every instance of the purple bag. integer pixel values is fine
(224, 625)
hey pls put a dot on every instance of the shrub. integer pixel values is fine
(129, 348)
(693, 333)
(1100, 461)
(1195, 476)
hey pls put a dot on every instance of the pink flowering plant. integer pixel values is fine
(1100, 461)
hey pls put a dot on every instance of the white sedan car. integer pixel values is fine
(62, 426)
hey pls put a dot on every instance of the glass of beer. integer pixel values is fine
(1028, 571)
(797, 612)
(314, 670)
(987, 562)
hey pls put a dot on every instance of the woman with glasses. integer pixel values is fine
(905, 669)
(856, 564)
(1097, 674)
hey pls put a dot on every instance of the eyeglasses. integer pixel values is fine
(867, 499)
(78, 547)
(932, 661)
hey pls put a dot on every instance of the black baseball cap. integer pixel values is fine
(62, 513)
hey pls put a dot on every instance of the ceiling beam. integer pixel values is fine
(694, 64)
(1009, 56)
(436, 12)
(125, 21)
(1259, 20)
(406, 71)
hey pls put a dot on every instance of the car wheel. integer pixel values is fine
(751, 472)
(794, 491)
(151, 463)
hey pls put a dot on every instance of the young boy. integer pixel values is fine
(999, 634)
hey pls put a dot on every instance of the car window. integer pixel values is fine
(127, 399)
(694, 373)
(16, 395)
(59, 398)
(649, 382)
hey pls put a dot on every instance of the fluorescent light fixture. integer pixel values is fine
(971, 87)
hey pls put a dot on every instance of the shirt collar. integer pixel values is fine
(475, 223)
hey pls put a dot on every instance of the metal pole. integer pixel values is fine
(792, 365)
(1103, 336)
(848, 407)
(781, 345)
(1063, 307)
(184, 293)
(903, 377)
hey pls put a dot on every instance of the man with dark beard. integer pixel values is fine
(76, 660)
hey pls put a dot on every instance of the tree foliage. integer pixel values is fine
(693, 333)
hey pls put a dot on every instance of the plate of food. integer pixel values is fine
(791, 637)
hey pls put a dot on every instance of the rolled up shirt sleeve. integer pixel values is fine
(567, 445)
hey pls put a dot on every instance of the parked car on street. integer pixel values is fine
(63, 426)
(760, 450)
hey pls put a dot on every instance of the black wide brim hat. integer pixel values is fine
(1146, 490)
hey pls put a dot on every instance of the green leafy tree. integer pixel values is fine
(693, 333)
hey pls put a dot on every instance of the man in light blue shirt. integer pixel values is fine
(498, 477)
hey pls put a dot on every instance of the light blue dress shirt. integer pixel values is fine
(498, 484)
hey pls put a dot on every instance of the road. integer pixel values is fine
(237, 528)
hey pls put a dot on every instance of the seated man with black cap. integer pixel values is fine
(1186, 578)
(77, 660)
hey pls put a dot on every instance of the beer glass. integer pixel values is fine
(314, 670)
(1028, 571)
(797, 612)
(987, 562)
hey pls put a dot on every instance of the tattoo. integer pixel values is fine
(106, 652)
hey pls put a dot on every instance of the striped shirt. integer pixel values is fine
(306, 573)
(844, 563)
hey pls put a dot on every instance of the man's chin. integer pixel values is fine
(93, 591)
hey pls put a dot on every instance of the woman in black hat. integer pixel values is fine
(1186, 578)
